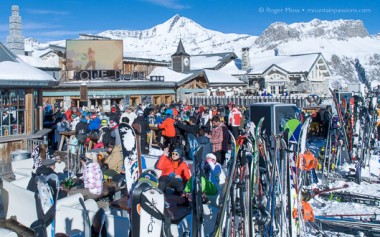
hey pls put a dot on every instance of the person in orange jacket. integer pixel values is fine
(175, 171)
(168, 129)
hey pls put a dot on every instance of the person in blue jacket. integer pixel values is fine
(94, 123)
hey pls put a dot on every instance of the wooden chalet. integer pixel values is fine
(21, 88)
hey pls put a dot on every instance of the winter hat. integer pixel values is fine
(169, 112)
(211, 156)
(104, 123)
(179, 151)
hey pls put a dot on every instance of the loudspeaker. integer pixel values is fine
(275, 115)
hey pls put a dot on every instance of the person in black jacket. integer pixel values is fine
(82, 126)
(197, 116)
(143, 132)
(115, 113)
(82, 130)
(326, 120)
(187, 127)
(46, 169)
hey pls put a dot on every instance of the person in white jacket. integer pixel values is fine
(128, 114)
(215, 169)
(234, 119)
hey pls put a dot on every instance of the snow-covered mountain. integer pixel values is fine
(340, 41)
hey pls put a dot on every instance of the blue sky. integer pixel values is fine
(48, 20)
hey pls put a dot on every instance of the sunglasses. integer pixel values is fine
(175, 153)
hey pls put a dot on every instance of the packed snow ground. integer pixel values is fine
(334, 207)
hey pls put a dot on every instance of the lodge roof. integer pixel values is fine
(297, 63)
(15, 73)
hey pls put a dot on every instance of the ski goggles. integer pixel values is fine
(175, 153)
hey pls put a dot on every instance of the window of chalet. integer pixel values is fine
(220, 93)
(13, 113)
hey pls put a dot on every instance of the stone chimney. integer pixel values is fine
(15, 39)
(245, 58)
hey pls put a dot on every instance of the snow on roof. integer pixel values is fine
(204, 61)
(22, 71)
(210, 61)
(39, 53)
(232, 69)
(291, 63)
(170, 75)
(214, 76)
(36, 62)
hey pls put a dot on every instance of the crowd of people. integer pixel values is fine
(209, 125)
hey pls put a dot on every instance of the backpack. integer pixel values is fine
(106, 137)
(309, 162)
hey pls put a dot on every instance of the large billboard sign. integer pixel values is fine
(93, 55)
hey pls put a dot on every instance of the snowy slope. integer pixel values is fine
(340, 41)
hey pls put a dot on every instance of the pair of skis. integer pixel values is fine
(348, 225)
(352, 197)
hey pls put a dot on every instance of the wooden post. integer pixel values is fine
(30, 122)
(137, 128)
(40, 118)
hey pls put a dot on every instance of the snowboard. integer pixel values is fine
(147, 179)
(46, 201)
(152, 206)
(129, 148)
(193, 144)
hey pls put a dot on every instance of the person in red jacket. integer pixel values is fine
(168, 129)
(175, 171)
